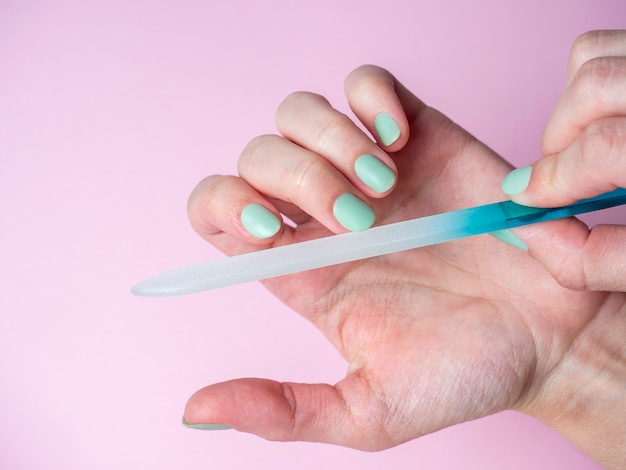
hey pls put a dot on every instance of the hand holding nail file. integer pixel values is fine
(353, 246)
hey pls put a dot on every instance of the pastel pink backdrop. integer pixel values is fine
(111, 111)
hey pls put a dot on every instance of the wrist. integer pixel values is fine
(584, 397)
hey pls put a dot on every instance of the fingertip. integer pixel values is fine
(536, 185)
(507, 236)
(378, 176)
(373, 95)
(250, 405)
(287, 411)
(229, 213)
(517, 181)
(365, 70)
(260, 222)
(523, 187)
(387, 129)
(352, 213)
(205, 426)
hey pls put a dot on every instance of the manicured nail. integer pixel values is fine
(353, 213)
(374, 173)
(509, 238)
(206, 427)
(386, 128)
(517, 181)
(259, 221)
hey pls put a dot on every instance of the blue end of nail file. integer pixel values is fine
(375, 241)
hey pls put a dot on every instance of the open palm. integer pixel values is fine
(433, 336)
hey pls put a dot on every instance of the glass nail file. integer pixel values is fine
(376, 241)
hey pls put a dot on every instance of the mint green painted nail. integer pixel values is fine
(374, 173)
(353, 213)
(517, 181)
(386, 128)
(509, 238)
(206, 427)
(259, 221)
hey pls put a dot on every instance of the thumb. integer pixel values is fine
(594, 164)
(342, 414)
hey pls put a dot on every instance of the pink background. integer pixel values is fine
(111, 112)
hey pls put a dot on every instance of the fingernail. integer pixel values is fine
(353, 213)
(374, 173)
(509, 238)
(386, 128)
(517, 181)
(206, 427)
(259, 221)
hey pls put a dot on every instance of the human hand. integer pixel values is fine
(584, 148)
(432, 337)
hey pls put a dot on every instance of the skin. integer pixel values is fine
(449, 333)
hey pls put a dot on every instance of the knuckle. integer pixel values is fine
(331, 131)
(203, 200)
(585, 47)
(595, 142)
(371, 80)
(368, 69)
(591, 80)
(294, 102)
(254, 151)
(561, 253)
(570, 282)
(307, 174)
(570, 276)
(254, 146)
(202, 192)
(213, 188)
(291, 100)
(604, 141)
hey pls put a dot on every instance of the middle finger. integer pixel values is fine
(310, 121)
